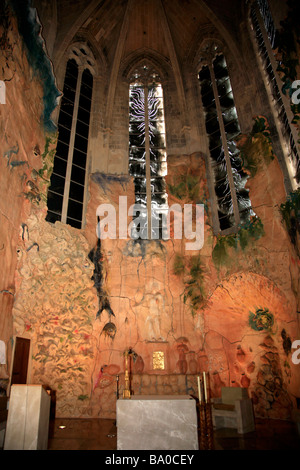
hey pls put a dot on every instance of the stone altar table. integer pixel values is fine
(28, 418)
(157, 422)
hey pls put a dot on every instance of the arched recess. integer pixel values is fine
(249, 327)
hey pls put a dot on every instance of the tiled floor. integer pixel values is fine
(101, 434)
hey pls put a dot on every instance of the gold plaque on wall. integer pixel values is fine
(158, 360)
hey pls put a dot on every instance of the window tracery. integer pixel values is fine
(147, 150)
(264, 32)
(222, 127)
(67, 190)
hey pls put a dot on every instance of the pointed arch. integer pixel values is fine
(145, 56)
(65, 42)
(217, 31)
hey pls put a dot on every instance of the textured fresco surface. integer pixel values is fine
(238, 333)
(229, 309)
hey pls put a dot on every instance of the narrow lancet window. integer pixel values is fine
(265, 35)
(268, 20)
(67, 185)
(147, 153)
(222, 127)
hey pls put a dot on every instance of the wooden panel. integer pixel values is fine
(20, 364)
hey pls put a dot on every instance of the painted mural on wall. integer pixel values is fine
(235, 335)
(230, 310)
(56, 308)
(24, 150)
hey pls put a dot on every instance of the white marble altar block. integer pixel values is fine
(28, 418)
(150, 422)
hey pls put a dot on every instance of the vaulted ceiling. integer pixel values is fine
(123, 27)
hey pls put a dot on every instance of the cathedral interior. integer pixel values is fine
(150, 203)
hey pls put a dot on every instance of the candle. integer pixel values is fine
(199, 390)
(204, 384)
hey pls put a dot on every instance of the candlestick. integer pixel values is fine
(204, 384)
(126, 391)
(199, 390)
(209, 427)
(202, 426)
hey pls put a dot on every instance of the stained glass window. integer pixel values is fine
(147, 153)
(268, 20)
(264, 31)
(222, 126)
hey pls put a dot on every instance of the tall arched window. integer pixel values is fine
(222, 126)
(267, 19)
(147, 151)
(67, 190)
(265, 34)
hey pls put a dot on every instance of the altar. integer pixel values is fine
(28, 418)
(157, 422)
